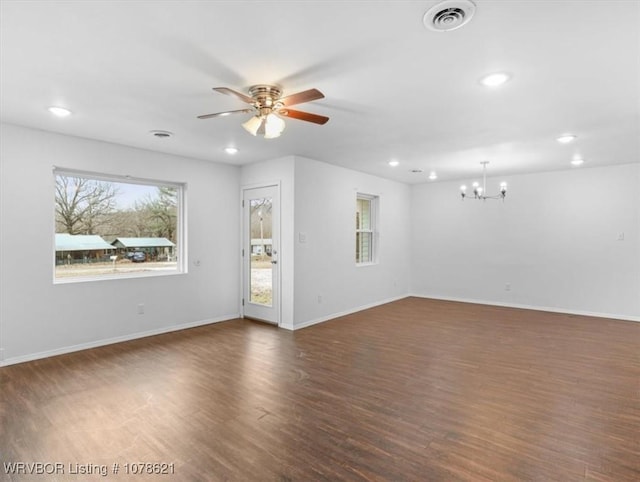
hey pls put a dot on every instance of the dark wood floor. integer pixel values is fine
(416, 390)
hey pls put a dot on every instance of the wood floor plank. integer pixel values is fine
(415, 390)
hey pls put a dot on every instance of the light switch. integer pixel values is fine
(302, 237)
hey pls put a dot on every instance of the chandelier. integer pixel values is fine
(480, 192)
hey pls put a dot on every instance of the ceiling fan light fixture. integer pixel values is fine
(253, 124)
(273, 126)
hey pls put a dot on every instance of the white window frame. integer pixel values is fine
(373, 228)
(181, 241)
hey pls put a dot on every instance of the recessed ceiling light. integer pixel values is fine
(231, 150)
(495, 80)
(393, 163)
(59, 111)
(577, 161)
(433, 176)
(566, 138)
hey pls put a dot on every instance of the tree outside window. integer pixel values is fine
(115, 227)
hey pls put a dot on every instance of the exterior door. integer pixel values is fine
(261, 244)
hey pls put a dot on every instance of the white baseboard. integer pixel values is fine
(286, 326)
(565, 311)
(350, 311)
(116, 339)
(168, 329)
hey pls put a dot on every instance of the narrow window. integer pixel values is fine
(112, 227)
(366, 207)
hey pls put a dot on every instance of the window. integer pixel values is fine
(112, 227)
(366, 207)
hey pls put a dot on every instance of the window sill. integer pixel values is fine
(123, 276)
(362, 265)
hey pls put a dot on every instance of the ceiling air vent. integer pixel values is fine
(449, 15)
(161, 134)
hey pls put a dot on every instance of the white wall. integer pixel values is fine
(325, 198)
(280, 171)
(554, 239)
(38, 318)
(318, 199)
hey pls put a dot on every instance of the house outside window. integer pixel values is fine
(116, 227)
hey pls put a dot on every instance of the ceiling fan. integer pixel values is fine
(267, 104)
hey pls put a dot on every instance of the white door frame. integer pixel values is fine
(244, 275)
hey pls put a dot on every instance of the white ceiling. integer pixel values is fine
(394, 89)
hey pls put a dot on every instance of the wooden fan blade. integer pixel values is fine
(239, 95)
(222, 114)
(305, 116)
(300, 97)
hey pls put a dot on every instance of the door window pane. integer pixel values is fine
(261, 276)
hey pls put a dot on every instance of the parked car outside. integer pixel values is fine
(137, 257)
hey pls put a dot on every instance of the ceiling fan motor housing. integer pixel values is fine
(266, 96)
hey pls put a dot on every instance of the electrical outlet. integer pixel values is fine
(141, 309)
(319, 298)
(507, 287)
